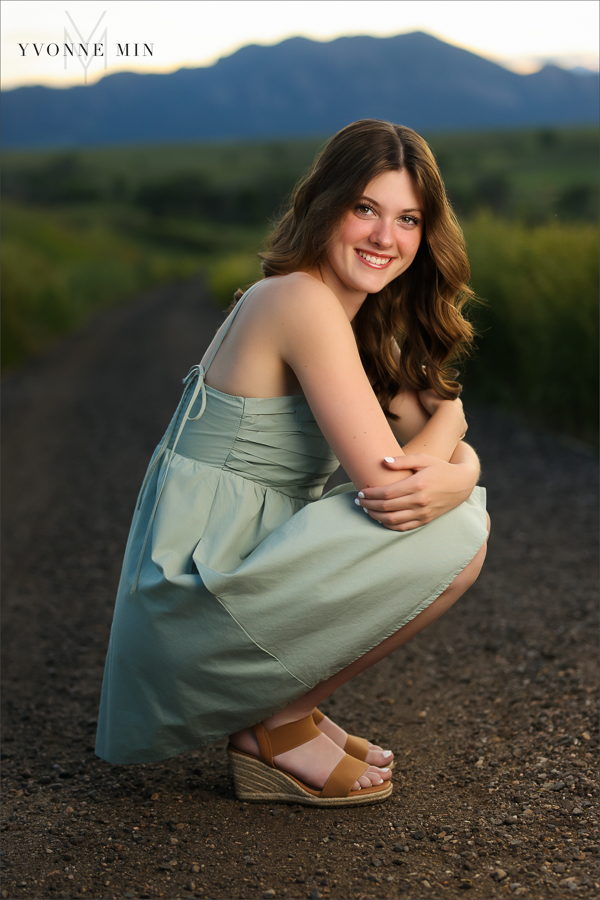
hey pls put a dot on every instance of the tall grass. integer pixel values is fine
(538, 324)
(56, 272)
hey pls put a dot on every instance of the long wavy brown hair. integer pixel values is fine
(421, 308)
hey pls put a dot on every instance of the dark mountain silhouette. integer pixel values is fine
(302, 87)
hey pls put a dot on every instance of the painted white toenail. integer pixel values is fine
(387, 753)
(386, 770)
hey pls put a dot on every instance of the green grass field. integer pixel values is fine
(531, 174)
(89, 228)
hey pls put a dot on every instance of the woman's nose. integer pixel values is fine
(382, 233)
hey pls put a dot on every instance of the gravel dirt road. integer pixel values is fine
(491, 712)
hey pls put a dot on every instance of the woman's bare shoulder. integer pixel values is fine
(296, 298)
(296, 285)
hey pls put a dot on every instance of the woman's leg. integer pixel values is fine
(304, 705)
(312, 762)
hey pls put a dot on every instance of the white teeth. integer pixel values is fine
(374, 260)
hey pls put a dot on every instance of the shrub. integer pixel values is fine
(227, 274)
(538, 345)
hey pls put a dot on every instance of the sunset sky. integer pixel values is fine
(520, 34)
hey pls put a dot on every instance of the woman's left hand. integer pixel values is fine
(434, 488)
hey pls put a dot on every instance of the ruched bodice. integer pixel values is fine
(275, 442)
(242, 586)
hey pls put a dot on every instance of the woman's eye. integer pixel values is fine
(364, 209)
(410, 220)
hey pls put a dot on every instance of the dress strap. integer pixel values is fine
(193, 385)
(228, 325)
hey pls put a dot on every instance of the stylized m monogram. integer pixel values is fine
(82, 52)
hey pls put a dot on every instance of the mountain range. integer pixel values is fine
(301, 87)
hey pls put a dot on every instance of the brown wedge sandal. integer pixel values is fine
(355, 746)
(258, 779)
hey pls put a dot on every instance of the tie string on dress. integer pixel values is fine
(196, 374)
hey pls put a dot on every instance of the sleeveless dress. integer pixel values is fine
(242, 586)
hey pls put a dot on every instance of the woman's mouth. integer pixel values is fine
(375, 262)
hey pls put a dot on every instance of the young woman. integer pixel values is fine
(246, 598)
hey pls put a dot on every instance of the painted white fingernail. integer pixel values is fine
(364, 509)
(361, 495)
(357, 502)
(389, 459)
(387, 753)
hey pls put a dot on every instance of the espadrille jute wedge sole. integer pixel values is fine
(355, 746)
(258, 779)
(255, 781)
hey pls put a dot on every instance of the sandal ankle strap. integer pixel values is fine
(284, 737)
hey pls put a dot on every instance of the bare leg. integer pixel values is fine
(304, 705)
(313, 762)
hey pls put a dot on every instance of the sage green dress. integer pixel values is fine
(242, 586)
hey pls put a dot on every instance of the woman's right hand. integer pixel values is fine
(433, 488)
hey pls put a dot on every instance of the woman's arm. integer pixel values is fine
(413, 413)
(315, 339)
(412, 416)
(433, 486)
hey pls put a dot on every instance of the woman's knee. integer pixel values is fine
(471, 571)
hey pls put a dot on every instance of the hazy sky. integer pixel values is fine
(521, 34)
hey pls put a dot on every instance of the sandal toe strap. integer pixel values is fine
(357, 747)
(347, 771)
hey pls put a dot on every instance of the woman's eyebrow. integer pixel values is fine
(375, 203)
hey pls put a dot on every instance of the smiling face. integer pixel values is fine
(379, 237)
